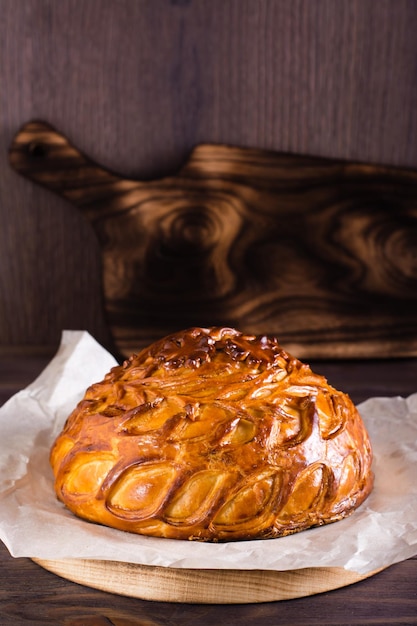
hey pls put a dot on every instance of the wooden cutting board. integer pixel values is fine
(320, 252)
(201, 586)
(317, 251)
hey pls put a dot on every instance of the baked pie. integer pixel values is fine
(213, 435)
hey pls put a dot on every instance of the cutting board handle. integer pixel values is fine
(45, 156)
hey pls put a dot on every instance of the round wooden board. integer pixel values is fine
(200, 586)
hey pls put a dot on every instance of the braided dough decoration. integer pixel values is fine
(213, 435)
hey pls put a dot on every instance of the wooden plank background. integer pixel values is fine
(137, 84)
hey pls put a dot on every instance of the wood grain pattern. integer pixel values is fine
(201, 586)
(333, 79)
(32, 595)
(320, 252)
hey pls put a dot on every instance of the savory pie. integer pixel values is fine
(214, 435)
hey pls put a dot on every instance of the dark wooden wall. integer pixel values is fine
(138, 83)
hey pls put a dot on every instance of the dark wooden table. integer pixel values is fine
(31, 595)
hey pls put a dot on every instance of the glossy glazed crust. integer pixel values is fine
(213, 435)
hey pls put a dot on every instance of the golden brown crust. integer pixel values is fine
(214, 435)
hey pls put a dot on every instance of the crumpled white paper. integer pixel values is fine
(34, 524)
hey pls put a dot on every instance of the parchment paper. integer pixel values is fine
(33, 523)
